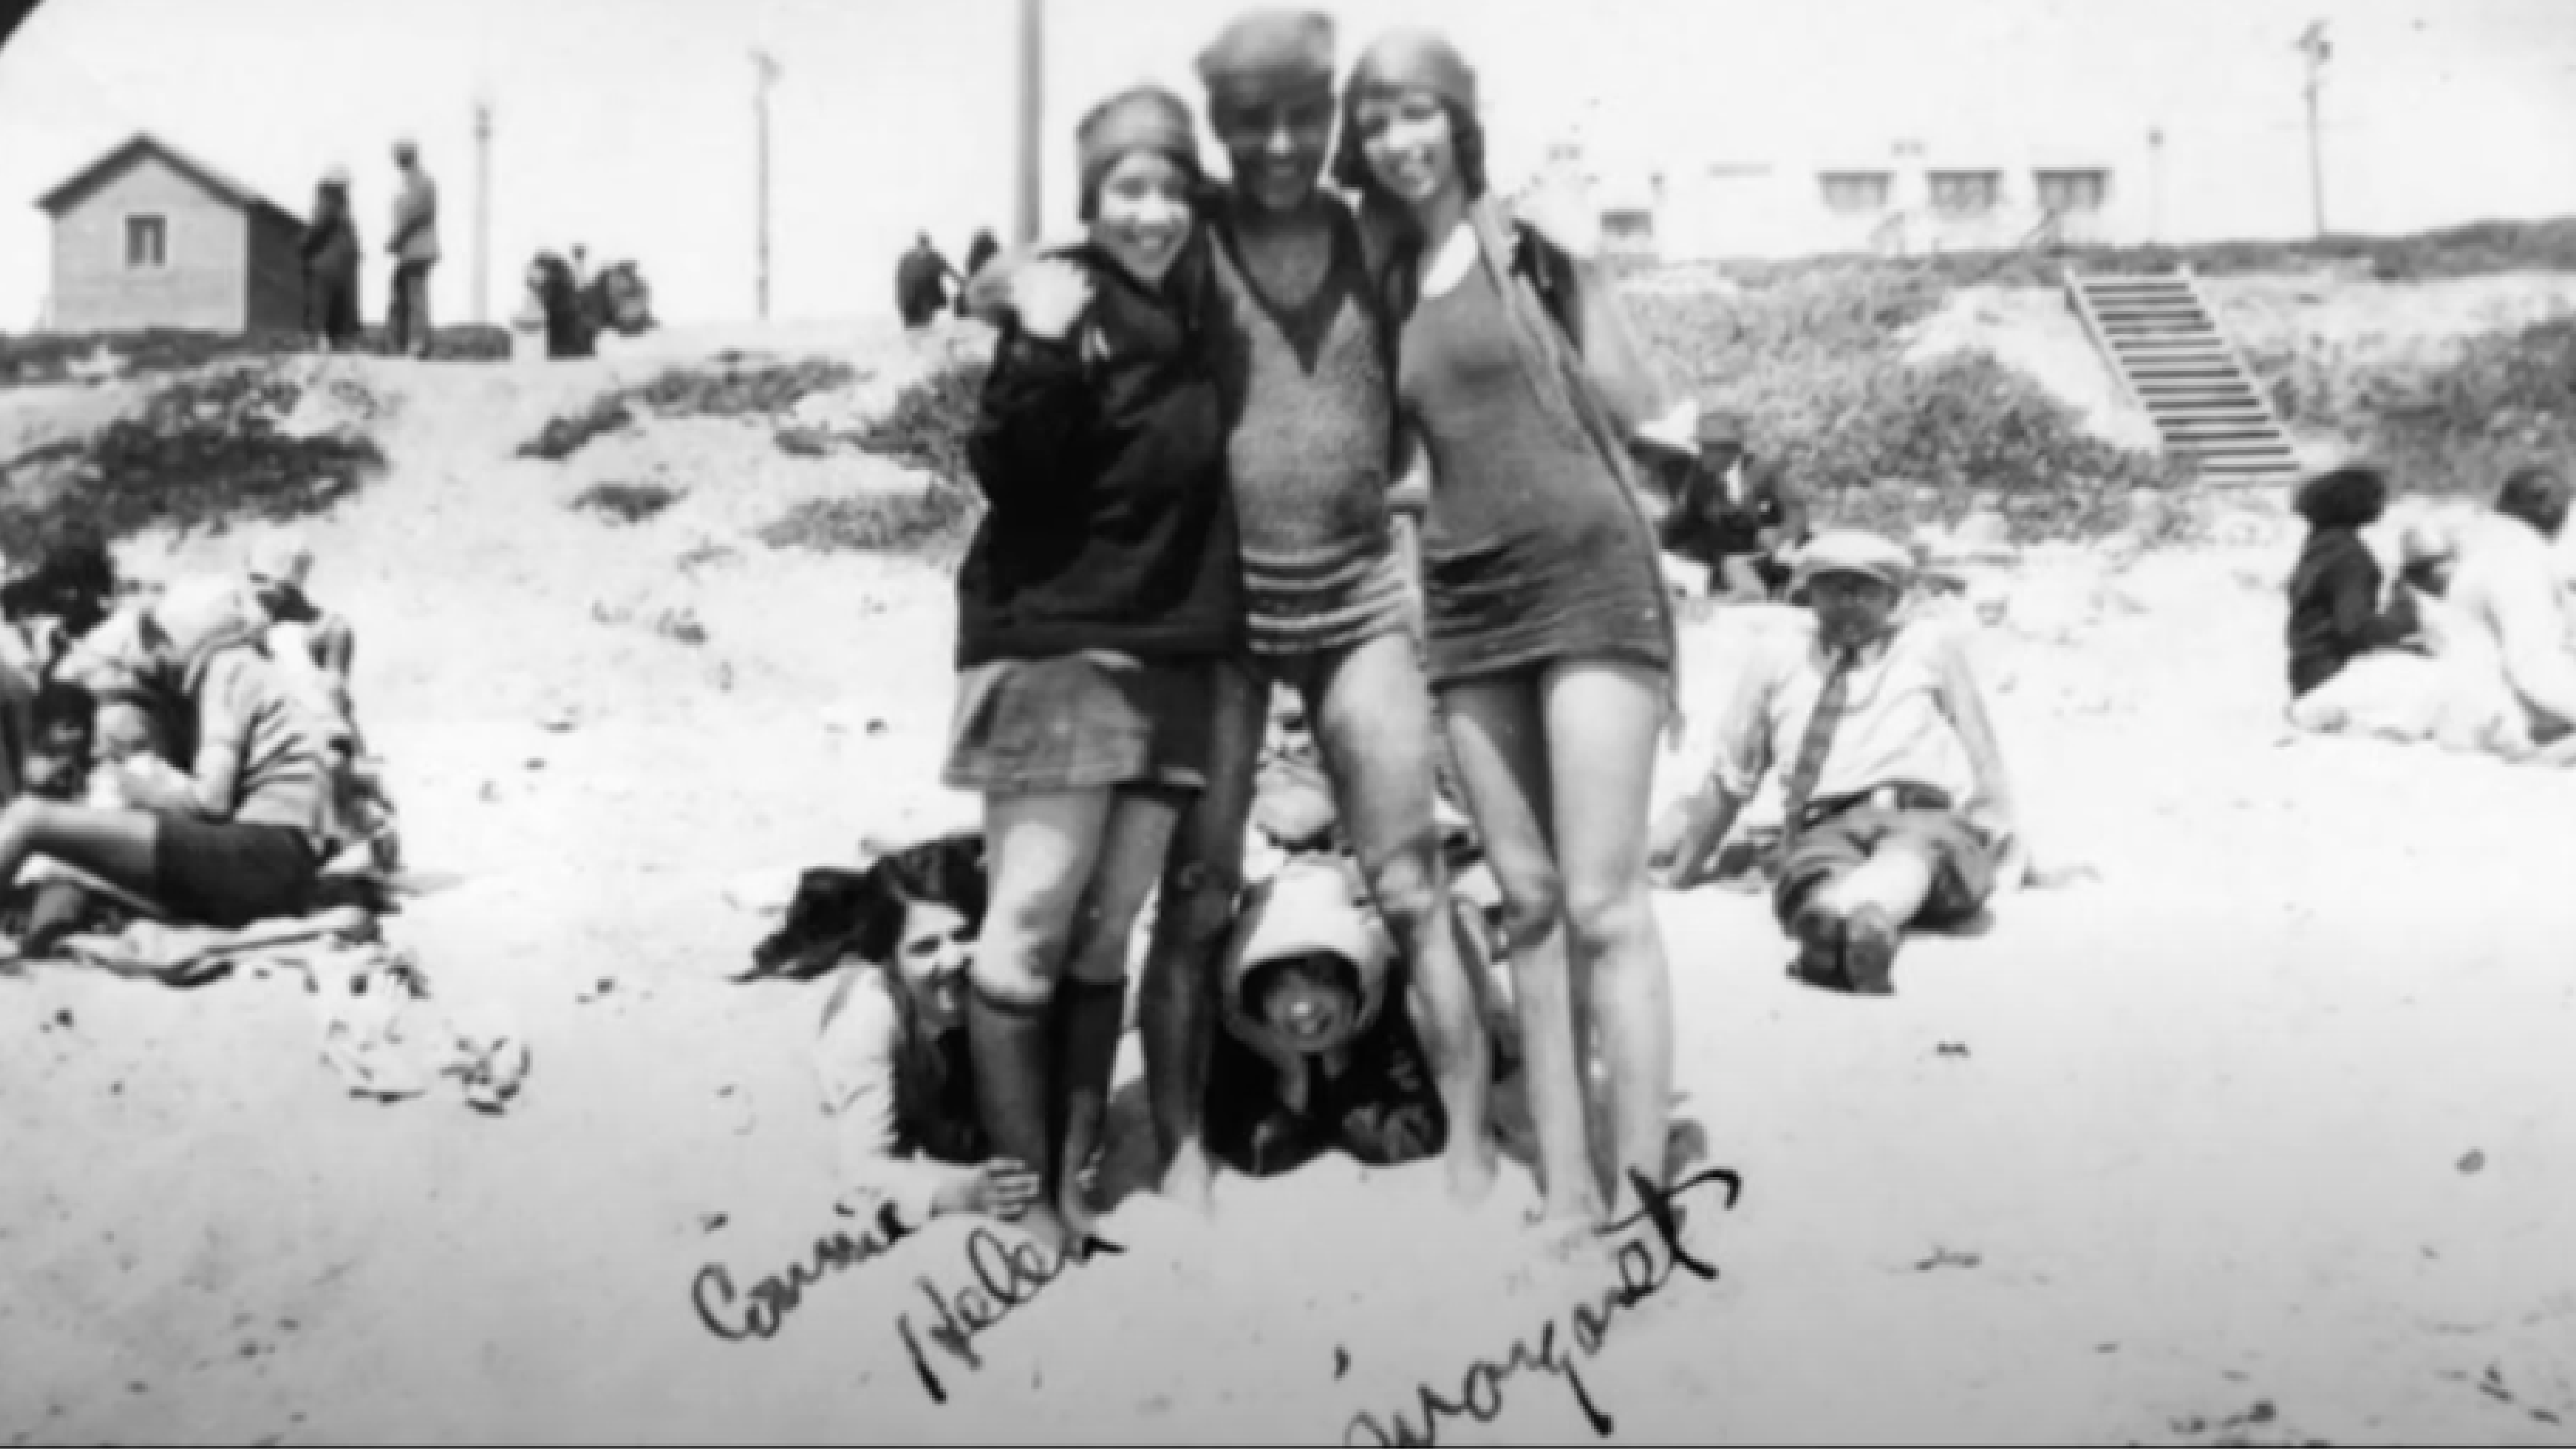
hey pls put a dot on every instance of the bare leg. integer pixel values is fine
(1498, 733)
(116, 845)
(1133, 846)
(1042, 850)
(1202, 877)
(1373, 718)
(1602, 723)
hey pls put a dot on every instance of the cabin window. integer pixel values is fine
(147, 241)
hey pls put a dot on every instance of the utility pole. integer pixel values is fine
(1026, 216)
(2156, 184)
(482, 210)
(2319, 50)
(765, 72)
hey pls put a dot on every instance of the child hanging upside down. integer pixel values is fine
(1897, 808)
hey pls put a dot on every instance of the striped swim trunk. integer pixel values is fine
(1309, 608)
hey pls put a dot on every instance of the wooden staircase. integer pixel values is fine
(2164, 344)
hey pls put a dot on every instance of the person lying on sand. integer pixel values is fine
(893, 1054)
(1898, 808)
(236, 839)
(1311, 1058)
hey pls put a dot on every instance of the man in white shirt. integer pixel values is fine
(1898, 809)
(2508, 587)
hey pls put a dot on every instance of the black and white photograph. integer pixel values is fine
(1371, 722)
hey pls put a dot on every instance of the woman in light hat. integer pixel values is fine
(331, 255)
(1550, 635)
(238, 838)
(1100, 591)
(1321, 1048)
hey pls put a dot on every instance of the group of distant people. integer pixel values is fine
(922, 275)
(332, 255)
(1200, 425)
(2468, 646)
(191, 754)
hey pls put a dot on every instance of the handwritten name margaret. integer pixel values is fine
(1641, 1276)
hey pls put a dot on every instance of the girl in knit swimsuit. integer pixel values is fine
(1549, 635)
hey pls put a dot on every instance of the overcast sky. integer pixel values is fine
(628, 123)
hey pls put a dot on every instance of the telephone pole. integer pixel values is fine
(1025, 220)
(482, 210)
(2318, 50)
(765, 72)
(2156, 185)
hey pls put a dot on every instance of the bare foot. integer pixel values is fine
(1044, 1226)
(1190, 1181)
(1471, 1172)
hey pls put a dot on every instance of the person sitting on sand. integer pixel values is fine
(894, 1057)
(1319, 1048)
(71, 592)
(2448, 687)
(1898, 810)
(1732, 513)
(304, 637)
(2507, 588)
(238, 838)
(2335, 609)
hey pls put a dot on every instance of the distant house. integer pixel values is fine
(1908, 199)
(147, 236)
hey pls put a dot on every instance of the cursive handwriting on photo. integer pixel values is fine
(1010, 1275)
(772, 1299)
(1642, 1274)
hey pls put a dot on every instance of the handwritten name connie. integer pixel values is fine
(772, 1299)
(1642, 1274)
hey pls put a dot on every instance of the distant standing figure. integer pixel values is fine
(331, 253)
(921, 284)
(979, 253)
(414, 248)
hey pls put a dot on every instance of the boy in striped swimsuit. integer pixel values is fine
(1305, 372)
(1304, 369)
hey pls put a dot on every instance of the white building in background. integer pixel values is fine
(1899, 199)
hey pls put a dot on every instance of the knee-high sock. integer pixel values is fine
(1014, 1070)
(1092, 1015)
